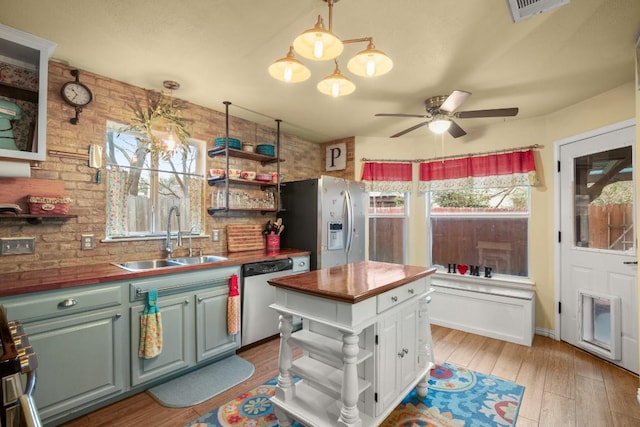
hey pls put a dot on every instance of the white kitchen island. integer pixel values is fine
(366, 339)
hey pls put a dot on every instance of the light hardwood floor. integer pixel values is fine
(564, 386)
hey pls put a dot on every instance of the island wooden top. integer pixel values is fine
(353, 283)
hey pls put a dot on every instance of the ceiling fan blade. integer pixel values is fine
(401, 115)
(498, 112)
(455, 130)
(412, 128)
(454, 100)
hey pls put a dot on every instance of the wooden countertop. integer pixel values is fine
(355, 282)
(68, 277)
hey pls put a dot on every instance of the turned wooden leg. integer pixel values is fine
(425, 350)
(349, 414)
(284, 390)
(283, 418)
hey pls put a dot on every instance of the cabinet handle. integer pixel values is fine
(394, 299)
(200, 299)
(405, 351)
(401, 354)
(69, 302)
(428, 299)
(186, 302)
(411, 291)
(118, 315)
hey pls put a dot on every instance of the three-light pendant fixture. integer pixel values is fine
(320, 44)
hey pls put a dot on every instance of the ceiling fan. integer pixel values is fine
(441, 109)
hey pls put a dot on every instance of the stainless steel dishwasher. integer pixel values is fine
(259, 321)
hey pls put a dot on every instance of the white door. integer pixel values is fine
(597, 289)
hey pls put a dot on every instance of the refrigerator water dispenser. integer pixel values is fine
(336, 239)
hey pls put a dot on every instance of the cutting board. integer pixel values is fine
(244, 237)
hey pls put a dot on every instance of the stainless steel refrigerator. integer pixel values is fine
(325, 216)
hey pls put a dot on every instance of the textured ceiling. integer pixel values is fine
(219, 50)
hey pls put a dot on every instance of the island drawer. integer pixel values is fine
(399, 295)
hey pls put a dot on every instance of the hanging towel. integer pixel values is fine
(233, 306)
(150, 328)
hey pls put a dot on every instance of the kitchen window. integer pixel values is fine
(142, 188)
(481, 227)
(388, 226)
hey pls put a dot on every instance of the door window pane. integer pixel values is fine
(603, 200)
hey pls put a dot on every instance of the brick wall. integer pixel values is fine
(58, 241)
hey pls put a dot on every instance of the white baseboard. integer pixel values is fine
(546, 333)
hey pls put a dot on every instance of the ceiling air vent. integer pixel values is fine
(523, 9)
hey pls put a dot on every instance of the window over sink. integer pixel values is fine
(142, 188)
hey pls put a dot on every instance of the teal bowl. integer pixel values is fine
(266, 149)
(233, 142)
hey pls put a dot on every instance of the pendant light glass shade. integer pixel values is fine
(289, 69)
(370, 62)
(336, 84)
(318, 44)
(170, 143)
(440, 124)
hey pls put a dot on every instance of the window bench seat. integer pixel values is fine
(484, 307)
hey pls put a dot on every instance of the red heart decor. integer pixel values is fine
(462, 268)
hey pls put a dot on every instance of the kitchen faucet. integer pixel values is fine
(190, 247)
(169, 246)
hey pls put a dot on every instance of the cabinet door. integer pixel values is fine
(212, 338)
(387, 384)
(176, 314)
(408, 346)
(80, 360)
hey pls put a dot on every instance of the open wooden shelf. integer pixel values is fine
(35, 219)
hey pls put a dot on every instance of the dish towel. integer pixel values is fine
(233, 306)
(150, 328)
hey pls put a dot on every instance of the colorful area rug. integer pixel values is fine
(457, 397)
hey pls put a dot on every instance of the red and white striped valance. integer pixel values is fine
(516, 168)
(387, 177)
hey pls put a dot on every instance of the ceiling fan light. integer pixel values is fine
(439, 125)
(289, 69)
(336, 85)
(370, 62)
(318, 44)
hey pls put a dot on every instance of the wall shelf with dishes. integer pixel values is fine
(231, 196)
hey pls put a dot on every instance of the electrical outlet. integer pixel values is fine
(215, 235)
(17, 245)
(87, 242)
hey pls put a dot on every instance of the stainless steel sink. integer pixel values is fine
(151, 264)
(155, 264)
(199, 259)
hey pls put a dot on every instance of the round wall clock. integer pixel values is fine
(76, 94)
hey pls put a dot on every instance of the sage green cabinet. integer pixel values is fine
(193, 309)
(212, 338)
(176, 352)
(79, 337)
